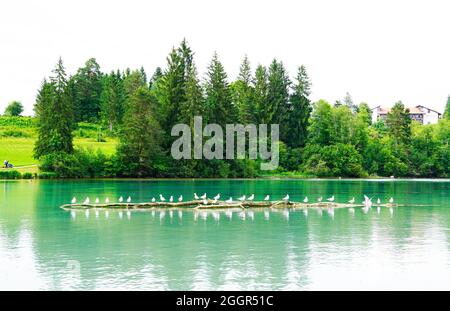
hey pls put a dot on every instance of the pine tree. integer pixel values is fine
(194, 102)
(277, 94)
(87, 88)
(54, 110)
(260, 86)
(139, 139)
(299, 112)
(348, 101)
(399, 124)
(242, 93)
(112, 100)
(155, 77)
(219, 106)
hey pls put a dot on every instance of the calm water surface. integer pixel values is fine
(44, 247)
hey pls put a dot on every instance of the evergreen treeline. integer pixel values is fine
(317, 139)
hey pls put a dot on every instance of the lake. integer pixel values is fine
(45, 247)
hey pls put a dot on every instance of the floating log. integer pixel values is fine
(198, 204)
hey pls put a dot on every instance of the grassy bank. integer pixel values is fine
(17, 137)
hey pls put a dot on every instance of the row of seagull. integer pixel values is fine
(97, 200)
(243, 198)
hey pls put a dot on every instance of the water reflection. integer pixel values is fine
(43, 247)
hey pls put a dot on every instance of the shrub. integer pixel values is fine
(10, 175)
(82, 163)
(47, 175)
(14, 133)
(27, 176)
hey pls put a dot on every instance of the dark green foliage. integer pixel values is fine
(87, 87)
(112, 100)
(338, 160)
(277, 103)
(219, 107)
(80, 164)
(14, 109)
(140, 136)
(55, 115)
(243, 94)
(298, 114)
(317, 139)
(10, 174)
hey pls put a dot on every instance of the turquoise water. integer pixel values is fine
(44, 247)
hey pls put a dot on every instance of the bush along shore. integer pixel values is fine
(317, 139)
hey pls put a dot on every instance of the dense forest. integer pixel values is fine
(317, 139)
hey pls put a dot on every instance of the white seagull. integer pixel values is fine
(196, 196)
(267, 198)
(217, 197)
(107, 200)
(203, 196)
(180, 199)
(242, 198)
(161, 198)
(378, 201)
(391, 200)
(352, 201)
(153, 200)
(120, 199)
(128, 199)
(305, 200)
(97, 200)
(205, 202)
(171, 199)
(286, 198)
(331, 199)
(230, 200)
(251, 197)
(86, 201)
(74, 200)
(319, 199)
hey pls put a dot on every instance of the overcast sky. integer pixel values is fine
(378, 51)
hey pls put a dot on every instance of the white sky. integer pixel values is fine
(379, 51)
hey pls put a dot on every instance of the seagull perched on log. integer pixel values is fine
(107, 200)
(331, 199)
(161, 198)
(267, 198)
(203, 196)
(153, 200)
(352, 201)
(319, 199)
(251, 197)
(171, 199)
(242, 198)
(305, 200)
(391, 200)
(196, 196)
(180, 199)
(86, 201)
(230, 200)
(378, 201)
(217, 197)
(74, 200)
(129, 199)
(120, 199)
(97, 200)
(286, 198)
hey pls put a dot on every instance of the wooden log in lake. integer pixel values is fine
(198, 204)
